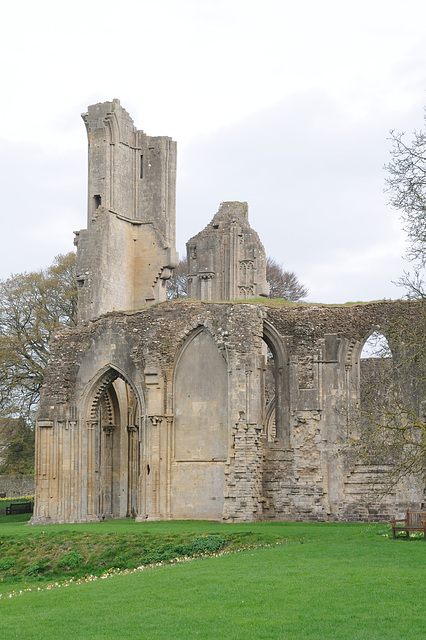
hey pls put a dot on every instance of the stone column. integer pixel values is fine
(42, 485)
(92, 471)
(170, 422)
(106, 474)
(206, 286)
(132, 469)
(142, 506)
(153, 484)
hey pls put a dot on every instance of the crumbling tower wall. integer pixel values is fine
(127, 252)
(226, 261)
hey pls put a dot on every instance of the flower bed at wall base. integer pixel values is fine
(7, 500)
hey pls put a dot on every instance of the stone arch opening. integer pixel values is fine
(376, 370)
(277, 387)
(113, 447)
(376, 346)
(200, 441)
(270, 393)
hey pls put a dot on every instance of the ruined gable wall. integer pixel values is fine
(226, 260)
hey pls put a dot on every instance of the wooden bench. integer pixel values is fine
(19, 507)
(413, 521)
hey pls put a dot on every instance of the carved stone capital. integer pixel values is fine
(156, 420)
(132, 428)
(45, 424)
(108, 429)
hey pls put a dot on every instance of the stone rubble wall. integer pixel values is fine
(17, 486)
(243, 494)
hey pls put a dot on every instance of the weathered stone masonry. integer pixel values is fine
(165, 458)
(196, 409)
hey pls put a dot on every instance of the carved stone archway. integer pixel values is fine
(113, 447)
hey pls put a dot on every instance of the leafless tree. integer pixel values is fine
(406, 186)
(176, 285)
(284, 284)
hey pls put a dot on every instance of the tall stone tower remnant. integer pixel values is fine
(226, 261)
(127, 252)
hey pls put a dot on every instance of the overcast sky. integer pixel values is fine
(285, 105)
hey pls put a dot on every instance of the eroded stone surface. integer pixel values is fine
(197, 409)
(226, 261)
(133, 421)
(127, 252)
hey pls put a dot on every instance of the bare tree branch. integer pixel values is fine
(284, 284)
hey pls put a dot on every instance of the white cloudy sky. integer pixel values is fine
(284, 105)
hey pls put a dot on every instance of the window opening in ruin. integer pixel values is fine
(376, 371)
(276, 388)
(269, 393)
(376, 347)
(98, 201)
(141, 174)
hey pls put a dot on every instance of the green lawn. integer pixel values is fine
(337, 581)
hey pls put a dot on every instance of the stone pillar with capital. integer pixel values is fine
(132, 469)
(153, 471)
(107, 471)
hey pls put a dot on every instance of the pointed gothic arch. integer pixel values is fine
(200, 439)
(375, 370)
(114, 410)
(277, 417)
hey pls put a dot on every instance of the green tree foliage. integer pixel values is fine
(17, 447)
(32, 306)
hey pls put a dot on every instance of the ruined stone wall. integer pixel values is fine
(144, 348)
(233, 473)
(17, 486)
(314, 478)
(127, 252)
(130, 173)
(226, 261)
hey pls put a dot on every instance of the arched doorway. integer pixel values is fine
(113, 448)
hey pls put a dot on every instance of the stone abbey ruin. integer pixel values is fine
(211, 407)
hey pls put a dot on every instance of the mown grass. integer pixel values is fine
(339, 581)
(34, 555)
